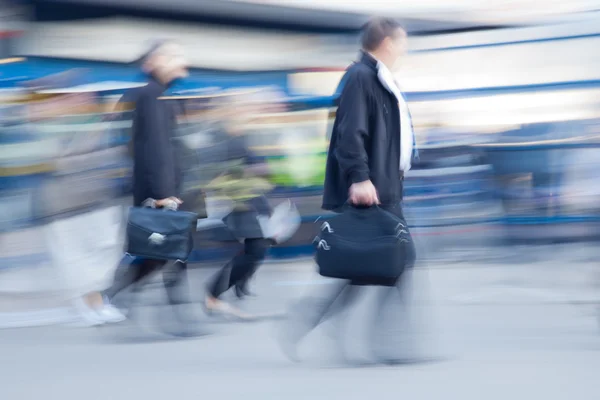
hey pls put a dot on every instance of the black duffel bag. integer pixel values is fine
(365, 245)
(160, 234)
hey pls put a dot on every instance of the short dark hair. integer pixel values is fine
(376, 30)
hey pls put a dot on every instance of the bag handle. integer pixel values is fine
(348, 205)
(151, 203)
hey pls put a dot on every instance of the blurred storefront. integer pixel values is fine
(220, 36)
(475, 96)
(227, 45)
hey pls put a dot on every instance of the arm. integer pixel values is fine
(353, 131)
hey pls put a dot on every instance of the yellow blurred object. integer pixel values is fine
(239, 189)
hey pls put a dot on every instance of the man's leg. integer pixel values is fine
(132, 276)
(180, 321)
(309, 313)
(393, 298)
(134, 273)
(400, 333)
(125, 277)
(338, 300)
(176, 283)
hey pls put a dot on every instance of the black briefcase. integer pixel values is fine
(363, 245)
(160, 234)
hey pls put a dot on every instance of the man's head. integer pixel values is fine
(385, 39)
(166, 61)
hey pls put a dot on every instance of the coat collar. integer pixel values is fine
(384, 75)
(387, 80)
(368, 60)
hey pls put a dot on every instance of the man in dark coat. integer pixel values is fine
(157, 176)
(371, 148)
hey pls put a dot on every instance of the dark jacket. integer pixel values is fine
(365, 142)
(156, 172)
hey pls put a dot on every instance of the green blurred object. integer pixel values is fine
(298, 170)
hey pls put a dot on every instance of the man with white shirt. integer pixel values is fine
(372, 146)
(372, 142)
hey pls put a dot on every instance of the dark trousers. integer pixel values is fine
(241, 268)
(174, 279)
(310, 313)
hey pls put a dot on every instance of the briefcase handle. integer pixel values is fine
(151, 203)
(348, 205)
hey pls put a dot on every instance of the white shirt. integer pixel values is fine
(407, 140)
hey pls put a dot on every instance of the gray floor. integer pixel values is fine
(520, 332)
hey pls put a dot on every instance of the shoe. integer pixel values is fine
(87, 315)
(110, 314)
(212, 306)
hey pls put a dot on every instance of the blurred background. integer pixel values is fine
(503, 204)
(504, 97)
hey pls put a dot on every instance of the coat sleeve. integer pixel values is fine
(155, 157)
(353, 130)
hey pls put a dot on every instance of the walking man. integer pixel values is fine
(157, 176)
(371, 147)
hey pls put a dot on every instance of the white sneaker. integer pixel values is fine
(110, 314)
(86, 314)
